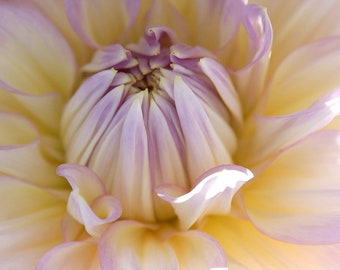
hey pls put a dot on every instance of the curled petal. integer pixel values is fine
(102, 22)
(212, 194)
(248, 64)
(72, 255)
(88, 203)
(132, 245)
(274, 133)
(296, 199)
(300, 23)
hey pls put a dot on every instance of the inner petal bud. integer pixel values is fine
(151, 114)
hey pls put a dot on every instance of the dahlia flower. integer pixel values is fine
(169, 134)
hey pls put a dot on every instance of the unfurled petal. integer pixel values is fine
(31, 62)
(88, 202)
(21, 155)
(29, 223)
(274, 133)
(132, 245)
(297, 23)
(101, 22)
(308, 72)
(300, 204)
(44, 110)
(212, 194)
(251, 249)
(72, 255)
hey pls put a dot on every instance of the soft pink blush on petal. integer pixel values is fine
(88, 203)
(132, 245)
(275, 133)
(296, 199)
(212, 194)
(71, 256)
(253, 250)
(247, 65)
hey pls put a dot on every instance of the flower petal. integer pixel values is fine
(132, 245)
(88, 203)
(31, 62)
(102, 22)
(26, 223)
(251, 249)
(21, 154)
(72, 255)
(308, 72)
(248, 65)
(212, 194)
(297, 197)
(198, 130)
(274, 133)
(299, 22)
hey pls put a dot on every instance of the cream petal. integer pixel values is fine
(170, 18)
(251, 249)
(200, 17)
(308, 72)
(44, 109)
(212, 194)
(26, 223)
(102, 22)
(274, 133)
(296, 23)
(88, 202)
(55, 12)
(31, 62)
(21, 154)
(296, 199)
(71, 256)
(132, 245)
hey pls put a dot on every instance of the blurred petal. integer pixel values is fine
(170, 18)
(132, 245)
(88, 203)
(44, 109)
(31, 62)
(308, 72)
(254, 250)
(212, 194)
(72, 255)
(102, 22)
(296, 199)
(29, 223)
(296, 23)
(21, 155)
(274, 133)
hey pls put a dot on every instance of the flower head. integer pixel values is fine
(168, 134)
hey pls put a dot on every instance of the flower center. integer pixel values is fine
(152, 113)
